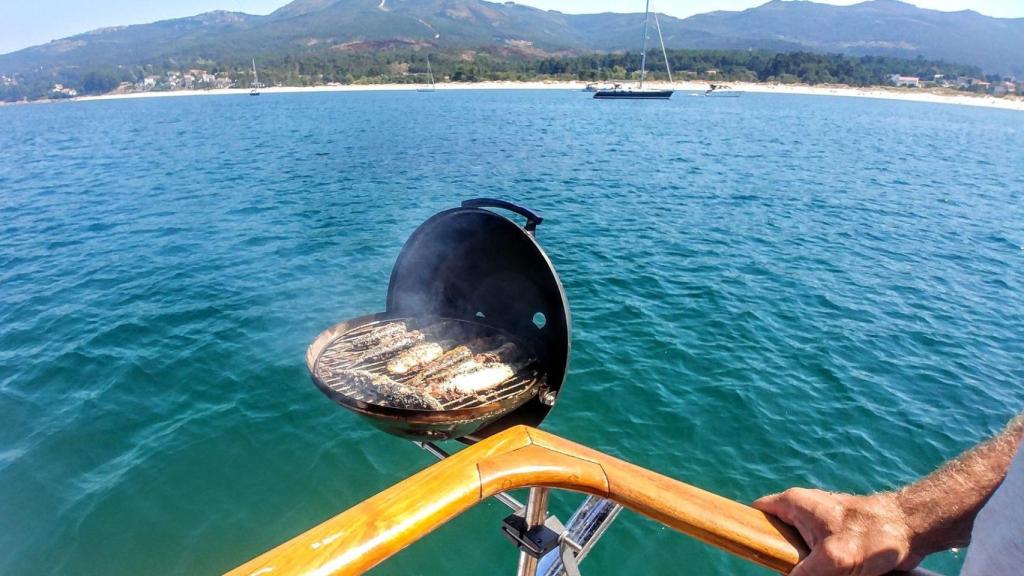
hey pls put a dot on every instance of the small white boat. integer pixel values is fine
(722, 91)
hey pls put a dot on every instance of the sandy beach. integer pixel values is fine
(878, 92)
(885, 93)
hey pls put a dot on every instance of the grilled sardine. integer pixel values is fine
(507, 352)
(391, 346)
(451, 359)
(437, 373)
(481, 378)
(377, 335)
(415, 357)
(386, 391)
(446, 361)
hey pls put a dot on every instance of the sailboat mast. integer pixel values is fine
(430, 72)
(663, 52)
(643, 58)
(255, 76)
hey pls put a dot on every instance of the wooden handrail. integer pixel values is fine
(375, 529)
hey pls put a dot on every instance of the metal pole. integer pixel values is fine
(663, 52)
(643, 58)
(536, 514)
(587, 525)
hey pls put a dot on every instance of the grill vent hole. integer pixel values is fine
(539, 320)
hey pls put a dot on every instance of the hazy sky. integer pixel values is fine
(26, 23)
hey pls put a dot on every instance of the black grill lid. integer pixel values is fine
(471, 263)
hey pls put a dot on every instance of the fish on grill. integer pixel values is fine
(415, 357)
(445, 362)
(480, 373)
(386, 391)
(475, 380)
(419, 369)
(451, 359)
(378, 335)
(506, 352)
(391, 346)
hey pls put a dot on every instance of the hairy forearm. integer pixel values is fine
(939, 509)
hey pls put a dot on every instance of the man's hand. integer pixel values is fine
(848, 535)
(872, 535)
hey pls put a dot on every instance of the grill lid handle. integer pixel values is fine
(532, 218)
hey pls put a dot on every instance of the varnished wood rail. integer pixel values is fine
(375, 529)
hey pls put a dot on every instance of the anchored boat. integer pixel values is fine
(470, 275)
(430, 74)
(255, 91)
(618, 92)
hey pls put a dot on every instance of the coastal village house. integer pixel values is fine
(1004, 88)
(906, 81)
(62, 91)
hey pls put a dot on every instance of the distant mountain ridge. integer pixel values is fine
(878, 27)
(874, 27)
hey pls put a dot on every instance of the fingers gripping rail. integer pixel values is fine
(375, 529)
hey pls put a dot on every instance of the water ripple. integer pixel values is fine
(772, 291)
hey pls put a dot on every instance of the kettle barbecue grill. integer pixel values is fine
(474, 268)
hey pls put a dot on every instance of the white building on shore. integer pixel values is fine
(62, 91)
(907, 81)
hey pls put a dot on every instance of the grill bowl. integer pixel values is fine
(461, 419)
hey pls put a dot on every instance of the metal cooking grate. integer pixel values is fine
(340, 355)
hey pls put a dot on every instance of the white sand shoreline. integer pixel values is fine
(877, 92)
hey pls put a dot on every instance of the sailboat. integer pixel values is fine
(255, 80)
(620, 92)
(431, 74)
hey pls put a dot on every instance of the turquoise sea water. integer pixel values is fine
(767, 291)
